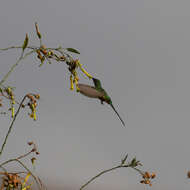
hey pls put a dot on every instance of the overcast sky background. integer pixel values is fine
(140, 49)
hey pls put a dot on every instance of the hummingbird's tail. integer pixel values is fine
(117, 114)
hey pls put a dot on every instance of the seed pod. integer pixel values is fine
(147, 175)
(30, 143)
(34, 150)
(33, 159)
(153, 175)
(37, 31)
(147, 181)
(188, 174)
(43, 50)
(37, 96)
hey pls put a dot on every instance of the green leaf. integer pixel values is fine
(73, 50)
(25, 42)
(133, 162)
(123, 161)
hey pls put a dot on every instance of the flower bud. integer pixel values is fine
(37, 31)
(30, 143)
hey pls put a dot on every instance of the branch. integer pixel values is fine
(25, 155)
(16, 47)
(103, 172)
(12, 68)
(11, 47)
(10, 128)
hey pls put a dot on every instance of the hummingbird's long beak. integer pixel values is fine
(117, 114)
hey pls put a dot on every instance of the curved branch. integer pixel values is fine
(101, 173)
(132, 164)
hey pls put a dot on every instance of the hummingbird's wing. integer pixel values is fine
(89, 91)
(97, 83)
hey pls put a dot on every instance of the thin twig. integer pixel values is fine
(16, 47)
(10, 127)
(13, 66)
(11, 47)
(103, 172)
(24, 155)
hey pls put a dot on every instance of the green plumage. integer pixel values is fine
(97, 92)
(98, 87)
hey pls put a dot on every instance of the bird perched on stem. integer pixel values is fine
(98, 92)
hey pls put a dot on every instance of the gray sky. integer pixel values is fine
(140, 49)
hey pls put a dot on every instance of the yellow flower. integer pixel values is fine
(34, 115)
(8, 90)
(83, 70)
(27, 187)
(86, 73)
(32, 107)
(13, 111)
(76, 84)
(75, 74)
(13, 101)
(33, 111)
(71, 83)
(77, 88)
(25, 181)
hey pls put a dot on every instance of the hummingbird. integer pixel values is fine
(98, 92)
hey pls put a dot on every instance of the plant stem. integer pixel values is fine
(103, 172)
(11, 47)
(10, 127)
(12, 68)
(16, 47)
(24, 155)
